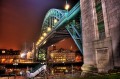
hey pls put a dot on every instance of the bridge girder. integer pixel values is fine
(52, 14)
(64, 19)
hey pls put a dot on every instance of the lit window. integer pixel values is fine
(3, 51)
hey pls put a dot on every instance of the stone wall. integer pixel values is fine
(88, 33)
(93, 47)
(113, 14)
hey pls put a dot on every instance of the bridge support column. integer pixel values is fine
(102, 54)
(88, 35)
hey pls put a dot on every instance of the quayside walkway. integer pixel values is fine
(13, 77)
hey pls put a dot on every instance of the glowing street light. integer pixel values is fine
(49, 29)
(44, 34)
(39, 41)
(67, 6)
(55, 21)
(41, 37)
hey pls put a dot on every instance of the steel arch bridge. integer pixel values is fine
(59, 24)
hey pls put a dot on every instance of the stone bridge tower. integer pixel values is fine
(101, 34)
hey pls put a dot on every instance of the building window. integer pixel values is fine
(100, 20)
(3, 51)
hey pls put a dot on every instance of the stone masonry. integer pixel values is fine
(101, 54)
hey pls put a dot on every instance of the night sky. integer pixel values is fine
(21, 21)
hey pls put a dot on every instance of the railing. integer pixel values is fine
(40, 69)
(69, 15)
(35, 68)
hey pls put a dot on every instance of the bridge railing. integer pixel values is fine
(68, 16)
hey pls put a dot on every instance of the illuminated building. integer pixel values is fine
(62, 60)
(11, 61)
(8, 56)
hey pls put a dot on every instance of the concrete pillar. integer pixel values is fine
(88, 35)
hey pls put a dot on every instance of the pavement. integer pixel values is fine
(13, 77)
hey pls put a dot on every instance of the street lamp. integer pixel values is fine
(67, 6)
(44, 34)
(55, 20)
(41, 37)
(49, 29)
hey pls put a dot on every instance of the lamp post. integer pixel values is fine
(67, 6)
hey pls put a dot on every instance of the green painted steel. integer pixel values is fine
(62, 15)
(51, 15)
(64, 19)
(76, 35)
(68, 16)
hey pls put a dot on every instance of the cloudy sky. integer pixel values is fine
(21, 21)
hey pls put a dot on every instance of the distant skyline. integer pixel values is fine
(21, 21)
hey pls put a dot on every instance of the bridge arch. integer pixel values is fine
(51, 18)
(67, 23)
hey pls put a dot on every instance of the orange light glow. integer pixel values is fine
(3, 60)
(78, 58)
(11, 60)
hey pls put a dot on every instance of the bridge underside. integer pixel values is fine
(55, 37)
(61, 24)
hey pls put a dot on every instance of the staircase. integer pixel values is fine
(35, 68)
(38, 69)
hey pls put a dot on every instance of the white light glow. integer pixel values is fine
(3, 51)
(44, 34)
(22, 55)
(41, 37)
(48, 29)
(67, 6)
(55, 21)
(44, 42)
